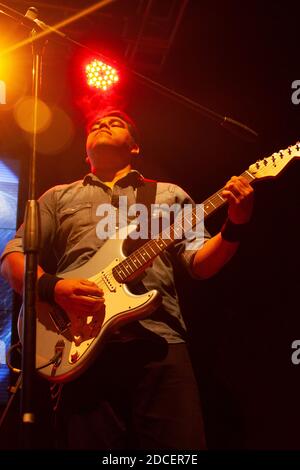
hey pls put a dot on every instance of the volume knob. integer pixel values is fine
(74, 356)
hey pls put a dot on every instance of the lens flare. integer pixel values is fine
(23, 112)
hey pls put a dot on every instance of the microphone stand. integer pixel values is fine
(31, 237)
(31, 241)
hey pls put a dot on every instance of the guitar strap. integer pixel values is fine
(146, 194)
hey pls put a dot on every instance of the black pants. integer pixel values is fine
(136, 396)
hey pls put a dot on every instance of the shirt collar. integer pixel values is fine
(133, 178)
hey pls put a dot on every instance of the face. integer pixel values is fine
(109, 138)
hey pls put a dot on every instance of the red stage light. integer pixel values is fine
(101, 75)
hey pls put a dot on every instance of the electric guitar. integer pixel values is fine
(62, 356)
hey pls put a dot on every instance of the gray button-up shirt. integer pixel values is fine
(69, 238)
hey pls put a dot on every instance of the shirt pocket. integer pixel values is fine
(75, 220)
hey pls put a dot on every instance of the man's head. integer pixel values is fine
(112, 140)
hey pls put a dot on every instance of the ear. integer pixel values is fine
(135, 150)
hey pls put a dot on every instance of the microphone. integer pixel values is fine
(32, 15)
(239, 129)
(29, 20)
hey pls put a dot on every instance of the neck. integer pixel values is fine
(111, 177)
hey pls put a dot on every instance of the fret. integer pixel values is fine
(213, 203)
(215, 200)
(178, 235)
(142, 254)
(173, 233)
(136, 260)
(146, 246)
(207, 207)
(122, 267)
(197, 219)
(249, 175)
(141, 258)
(119, 273)
(188, 222)
(161, 243)
(150, 243)
(127, 266)
(166, 234)
(133, 266)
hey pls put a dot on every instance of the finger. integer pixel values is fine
(86, 302)
(244, 187)
(231, 187)
(245, 183)
(241, 182)
(90, 300)
(88, 290)
(230, 197)
(86, 282)
(236, 188)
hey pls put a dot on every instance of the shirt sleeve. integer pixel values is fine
(194, 238)
(47, 207)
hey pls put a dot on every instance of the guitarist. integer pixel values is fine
(141, 391)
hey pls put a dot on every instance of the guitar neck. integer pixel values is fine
(216, 201)
(143, 256)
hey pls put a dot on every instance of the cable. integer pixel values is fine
(8, 354)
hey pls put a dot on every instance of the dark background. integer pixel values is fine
(239, 59)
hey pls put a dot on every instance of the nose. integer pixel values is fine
(104, 124)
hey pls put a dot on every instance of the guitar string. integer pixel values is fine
(109, 273)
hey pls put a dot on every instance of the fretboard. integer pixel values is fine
(137, 261)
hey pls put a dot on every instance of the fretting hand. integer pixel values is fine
(239, 194)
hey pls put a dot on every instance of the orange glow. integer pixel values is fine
(23, 112)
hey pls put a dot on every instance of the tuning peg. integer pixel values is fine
(265, 161)
(281, 153)
(297, 146)
(289, 150)
(257, 164)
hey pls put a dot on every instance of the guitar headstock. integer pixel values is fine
(271, 166)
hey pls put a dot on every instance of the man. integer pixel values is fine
(141, 391)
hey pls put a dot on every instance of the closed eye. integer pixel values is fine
(117, 123)
(112, 123)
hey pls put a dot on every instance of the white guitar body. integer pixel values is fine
(121, 306)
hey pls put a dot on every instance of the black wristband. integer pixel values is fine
(45, 287)
(232, 232)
